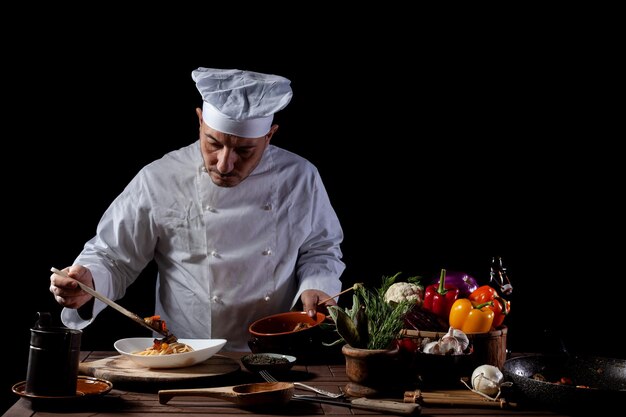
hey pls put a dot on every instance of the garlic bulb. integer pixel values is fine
(452, 343)
(431, 347)
(462, 338)
(449, 344)
(487, 379)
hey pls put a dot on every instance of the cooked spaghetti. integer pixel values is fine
(163, 348)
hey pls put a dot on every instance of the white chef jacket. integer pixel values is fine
(226, 256)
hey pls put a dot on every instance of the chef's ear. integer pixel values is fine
(269, 134)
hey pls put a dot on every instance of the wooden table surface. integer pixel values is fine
(121, 401)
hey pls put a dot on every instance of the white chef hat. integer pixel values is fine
(241, 103)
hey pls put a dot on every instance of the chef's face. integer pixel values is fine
(230, 159)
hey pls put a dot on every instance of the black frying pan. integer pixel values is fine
(605, 377)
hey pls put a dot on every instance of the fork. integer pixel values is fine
(269, 378)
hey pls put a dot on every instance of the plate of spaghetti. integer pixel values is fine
(154, 353)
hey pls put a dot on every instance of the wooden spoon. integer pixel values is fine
(246, 395)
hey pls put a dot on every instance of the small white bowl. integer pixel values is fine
(203, 349)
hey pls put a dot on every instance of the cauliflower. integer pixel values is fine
(401, 291)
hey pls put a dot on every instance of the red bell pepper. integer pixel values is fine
(438, 298)
(500, 307)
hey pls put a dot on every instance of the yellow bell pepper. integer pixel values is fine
(471, 317)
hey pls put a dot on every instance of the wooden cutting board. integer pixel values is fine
(121, 370)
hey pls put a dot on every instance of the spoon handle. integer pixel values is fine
(225, 393)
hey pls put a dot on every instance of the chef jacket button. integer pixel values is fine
(211, 209)
(215, 254)
(215, 299)
(267, 252)
(267, 297)
(267, 207)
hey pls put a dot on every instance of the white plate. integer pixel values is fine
(203, 350)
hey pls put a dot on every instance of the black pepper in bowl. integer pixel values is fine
(271, 362)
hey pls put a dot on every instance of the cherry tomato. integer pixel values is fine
(407, 344)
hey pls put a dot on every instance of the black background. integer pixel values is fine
(442, 143)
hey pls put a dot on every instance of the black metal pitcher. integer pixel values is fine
(53, 359)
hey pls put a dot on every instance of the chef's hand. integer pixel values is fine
(66, 291)
(310, 298)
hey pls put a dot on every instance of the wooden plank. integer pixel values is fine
(119, 369)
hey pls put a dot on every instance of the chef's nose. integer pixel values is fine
(226, 160)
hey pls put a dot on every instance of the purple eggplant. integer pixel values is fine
(463, 281)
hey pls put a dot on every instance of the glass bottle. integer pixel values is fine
(499, 276)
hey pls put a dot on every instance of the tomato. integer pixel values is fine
(408, 344)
